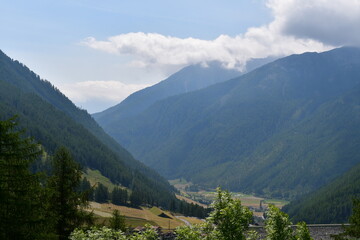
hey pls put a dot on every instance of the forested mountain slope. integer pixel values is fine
(330, 204)
(281, 130)
(19, 75)
(54, 121)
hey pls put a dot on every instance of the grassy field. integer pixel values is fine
(139, 216)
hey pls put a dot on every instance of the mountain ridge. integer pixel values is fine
(220, 131)
(190, 78)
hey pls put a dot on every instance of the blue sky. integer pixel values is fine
(98, 52)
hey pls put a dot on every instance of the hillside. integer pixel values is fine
(54, 121)
(330, 204)
(190, 78)
(282, 130)
(186, 80)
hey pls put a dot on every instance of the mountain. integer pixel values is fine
(188, 79)
(330, 204)
(282, 130)
(54, 121)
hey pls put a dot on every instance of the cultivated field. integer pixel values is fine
(140, 216)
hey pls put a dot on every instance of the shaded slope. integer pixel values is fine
(330, 204)
(54, 121)
(261, 132)
(19, 75)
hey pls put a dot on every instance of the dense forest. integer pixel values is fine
(330, 204)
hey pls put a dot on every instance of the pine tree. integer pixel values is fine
(66, 204)
(119, 196)
(353, 230)
(86, 188)
(136, 198)
(21, 212)
(117, 221)
(101, 194)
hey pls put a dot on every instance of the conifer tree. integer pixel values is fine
(353, 230)
(21, 212)
(66, 204)
(117, 222)
(119, 196)
(101, 194)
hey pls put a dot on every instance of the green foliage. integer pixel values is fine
(278, 225)
(148, 234)
(302, 232)
(21, 207)
(189, 232)
(230, 218)
(200, 231)
(65, 203)
(352, 231)
(252, 235)
(117, 221)
(97, 233)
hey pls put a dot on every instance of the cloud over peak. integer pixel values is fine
(298, 26)
(152, 49)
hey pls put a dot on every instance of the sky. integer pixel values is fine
(99, 52)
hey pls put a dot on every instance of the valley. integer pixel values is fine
(180, 120)
(258, 205)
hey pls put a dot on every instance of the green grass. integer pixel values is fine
(94, 176)
(129, 221)
(178, 181)
(134, 222)
(277, 202)
(156, 211)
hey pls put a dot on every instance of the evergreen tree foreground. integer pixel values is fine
(21, 208)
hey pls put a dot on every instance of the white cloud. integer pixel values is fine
(152, 49)
(298, 26)
(334, 22)
(110, 91)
